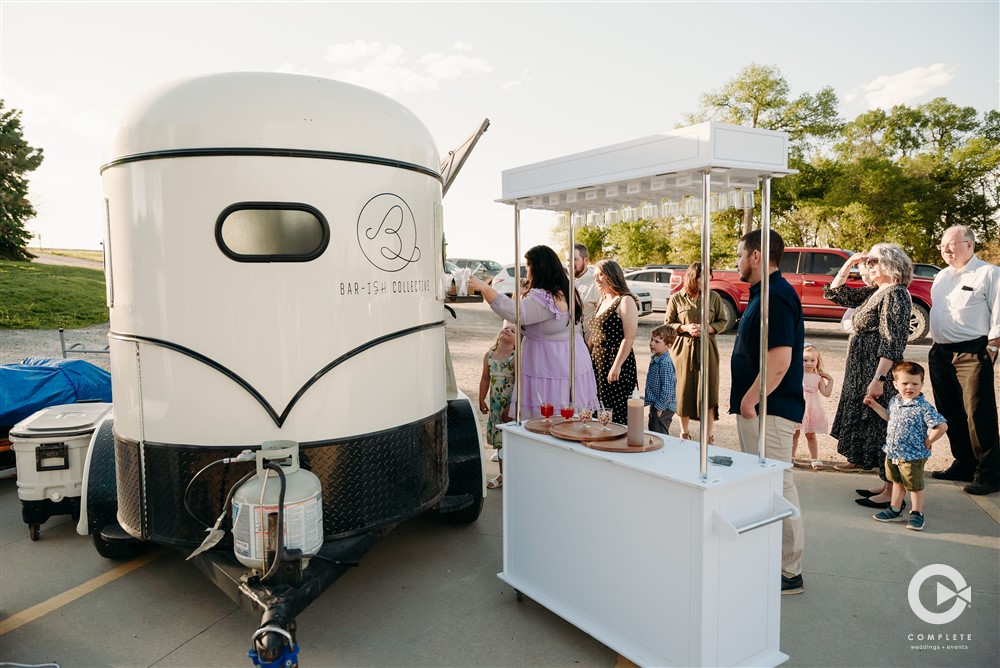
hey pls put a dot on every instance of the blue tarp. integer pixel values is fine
(40, 382)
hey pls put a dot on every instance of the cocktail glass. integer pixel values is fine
(585, 413)
(604, 417)
(566, 410)
(547, 410)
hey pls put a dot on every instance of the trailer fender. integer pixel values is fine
(463, 502)
(99, 489)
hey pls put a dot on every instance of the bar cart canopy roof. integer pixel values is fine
(650, 169)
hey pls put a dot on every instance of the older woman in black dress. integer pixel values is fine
(881, 326)
(612, 331)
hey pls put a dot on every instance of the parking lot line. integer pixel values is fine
(45, 607)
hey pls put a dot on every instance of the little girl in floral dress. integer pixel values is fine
(815, 382)
(495, 387)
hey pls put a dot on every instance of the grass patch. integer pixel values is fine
(93, 255)
(41, 296)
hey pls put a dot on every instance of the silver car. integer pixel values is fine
(655, 282)
(484, 270)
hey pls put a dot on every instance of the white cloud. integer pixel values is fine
(356, 50)
(388, 69)
(510, 85)
(892, 89)
(455, 66)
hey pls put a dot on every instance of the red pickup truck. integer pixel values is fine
(808, 270)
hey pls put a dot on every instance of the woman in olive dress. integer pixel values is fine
(684, 316)
(881, 326)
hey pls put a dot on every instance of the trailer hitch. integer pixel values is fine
(273, 647)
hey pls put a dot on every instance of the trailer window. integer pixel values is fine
(272, 232)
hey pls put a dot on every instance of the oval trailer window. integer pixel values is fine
(272, 232)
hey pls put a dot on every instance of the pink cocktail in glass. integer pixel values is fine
(547, 410)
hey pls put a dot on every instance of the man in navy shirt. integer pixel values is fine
(783, 382)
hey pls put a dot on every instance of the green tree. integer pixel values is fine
(759, 96)
(905, 175)
(17, 159)
(633, 244)
(594, 238)
(726, 232)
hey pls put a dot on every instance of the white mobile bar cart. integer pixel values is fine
(663, 560)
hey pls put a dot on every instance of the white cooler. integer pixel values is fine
(50, 449)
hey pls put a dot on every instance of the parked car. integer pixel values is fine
(925, 270)
(645, 301)
(503, 282)
(484, 270)
(808, 270)
(657, 282)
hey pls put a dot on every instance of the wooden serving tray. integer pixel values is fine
(573, 430)
(540, 426)
(650, 442)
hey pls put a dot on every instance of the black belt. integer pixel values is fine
(973, 346)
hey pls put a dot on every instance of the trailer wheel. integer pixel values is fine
(118, 550)
(465, 466)
(729, 312)
(34, 531)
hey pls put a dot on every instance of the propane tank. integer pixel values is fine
(255, 507)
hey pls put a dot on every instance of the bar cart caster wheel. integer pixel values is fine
(520, 596)
(34, 531)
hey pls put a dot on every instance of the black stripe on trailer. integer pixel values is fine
(279, 420)
(271, 153)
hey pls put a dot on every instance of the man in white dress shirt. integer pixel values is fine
(965, 327)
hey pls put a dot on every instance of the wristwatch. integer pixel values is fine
(992, 349)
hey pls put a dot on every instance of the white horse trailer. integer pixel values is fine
(274, 263)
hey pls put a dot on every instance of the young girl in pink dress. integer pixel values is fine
(815, 382)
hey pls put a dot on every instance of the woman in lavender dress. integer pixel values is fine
(546, 331)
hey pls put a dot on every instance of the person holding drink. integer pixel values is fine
(546, 330)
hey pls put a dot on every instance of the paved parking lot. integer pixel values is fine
(428, 595)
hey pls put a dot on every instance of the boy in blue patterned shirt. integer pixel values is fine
(913, 426)
(661, 380)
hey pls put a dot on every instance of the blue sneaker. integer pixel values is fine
(916, 521)
(889, 515)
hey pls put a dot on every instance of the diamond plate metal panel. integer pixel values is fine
(368, 482)
(129, 481)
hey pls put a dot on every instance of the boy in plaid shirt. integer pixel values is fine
(661, 380)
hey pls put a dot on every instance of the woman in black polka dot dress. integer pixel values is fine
(612, 331)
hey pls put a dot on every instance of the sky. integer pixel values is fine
(553, 78)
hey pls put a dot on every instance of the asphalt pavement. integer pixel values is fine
(428, 595)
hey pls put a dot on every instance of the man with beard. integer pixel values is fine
(782, 384)
(589, 293)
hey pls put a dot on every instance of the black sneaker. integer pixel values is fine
(792, 585)
(981, 487)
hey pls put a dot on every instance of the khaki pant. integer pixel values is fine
(778, 445)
